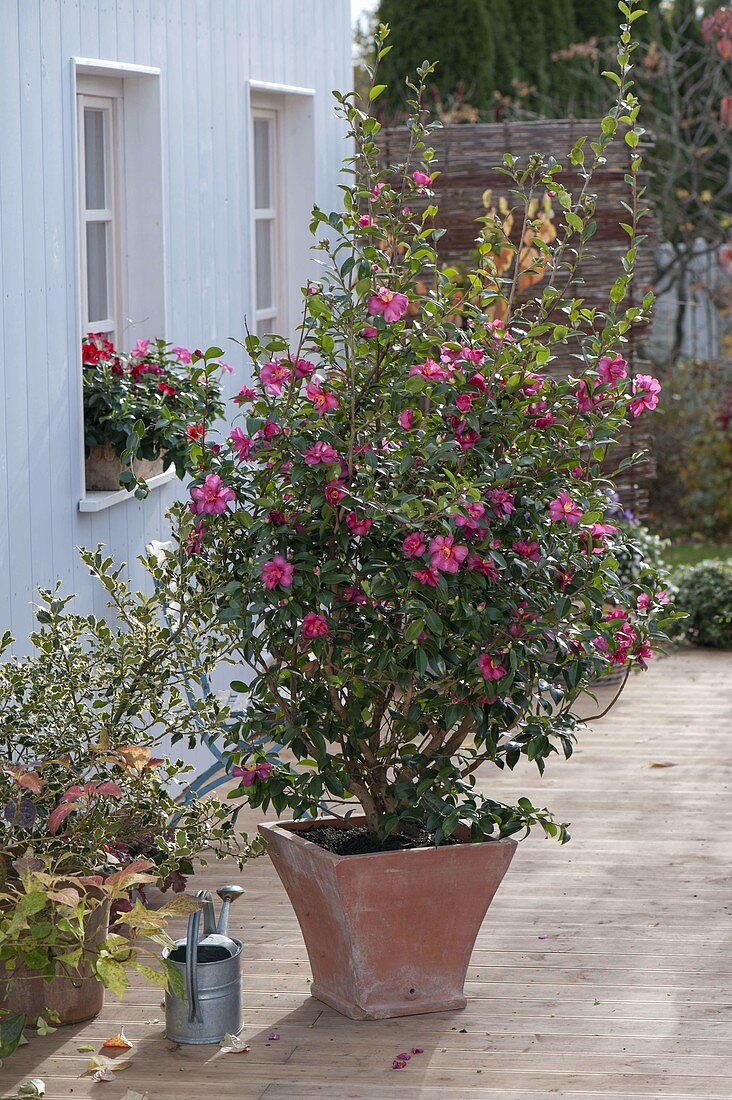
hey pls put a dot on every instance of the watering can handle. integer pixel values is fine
(194, 922)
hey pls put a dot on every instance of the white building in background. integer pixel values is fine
(158, 161)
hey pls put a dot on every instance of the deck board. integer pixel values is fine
(603, 969)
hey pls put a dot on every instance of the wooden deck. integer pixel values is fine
(604, 968)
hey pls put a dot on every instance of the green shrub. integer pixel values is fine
(705, 594)
(642, 551)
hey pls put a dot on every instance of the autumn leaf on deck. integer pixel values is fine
(103, 1065)
(662, 764)
(117, 1042)
(232, 1044)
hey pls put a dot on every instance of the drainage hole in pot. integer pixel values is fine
(411, 992)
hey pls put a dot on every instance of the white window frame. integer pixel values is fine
(105, 95)
(274, 316)
(140, 268)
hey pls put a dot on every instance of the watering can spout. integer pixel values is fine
(227, 894)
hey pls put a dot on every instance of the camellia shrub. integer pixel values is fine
(151, 403)
(409, 523)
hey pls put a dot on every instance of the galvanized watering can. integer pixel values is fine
(212, 971)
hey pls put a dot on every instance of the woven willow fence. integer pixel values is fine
(467, 157)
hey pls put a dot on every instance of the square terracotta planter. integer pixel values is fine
(387, 933)
(102, 468)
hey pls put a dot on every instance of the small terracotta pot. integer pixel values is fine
(74, 998)
(387, 933)
(102, 468)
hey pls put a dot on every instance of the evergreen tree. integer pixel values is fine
(532, 48)
(502, 24)
(457, 35)
(596, 19)
(560, 35)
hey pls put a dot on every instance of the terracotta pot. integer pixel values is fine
(102, 468)
(74, 997)
(387, 933)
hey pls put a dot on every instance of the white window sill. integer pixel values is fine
(94, 501)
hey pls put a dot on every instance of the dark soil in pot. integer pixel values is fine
(355, 841)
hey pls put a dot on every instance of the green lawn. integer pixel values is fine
(689, 553)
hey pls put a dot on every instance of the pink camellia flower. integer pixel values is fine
(334, 492)
(140, 349)
(365, 221)
(478, 382)
(270, 429)
(612, 368)
(274, 376)
(184, 356)
(540, 411)
(421, 178)
(314, 626)
(600, 531)
(324, 402)
(277, 572)
(528, 550)
(643, 601)
(166, 390)
(445, 555)
(586, 402)
(491, 667)
(194, 542)
(246, 393)
(249, 776)
(451, 356)
(369, 332)
(474, 356)
(413, 545)
(303, 368)
(464, 402)
(226, 368)
(480, 565)
(358, 526)
(320, 452)
(241, 443)
(563, 507)
(428, 577)
(564, 578)
(503, 502)
(499, 332)
(212, 497)
(195, 432)
(378, 188)
(473, 520)
(532, 383)
(354, 594)
(466, 437)
(391, 303)
(406, 419)
(430, 370)
(643, 653)
(646, 390)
